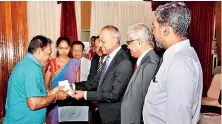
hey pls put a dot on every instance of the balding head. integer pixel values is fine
(113, 31)
(109, 39)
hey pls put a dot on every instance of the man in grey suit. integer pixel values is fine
(140, 42)
(112, 82)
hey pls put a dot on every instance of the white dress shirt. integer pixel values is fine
(175, 96)
(111, 56)
(84, 68)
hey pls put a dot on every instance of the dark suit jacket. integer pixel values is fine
(93, 67)
(132, 103)
(112, 87)
(90, 84)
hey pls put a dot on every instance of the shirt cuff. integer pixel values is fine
(73, 87)
(85, 95)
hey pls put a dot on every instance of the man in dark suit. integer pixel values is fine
(113, 79)
(96, 66)
(140, 42)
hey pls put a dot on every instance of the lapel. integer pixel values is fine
(135, 74)
(94, 65)
(96, 61)
(133, 78)
(114, 60)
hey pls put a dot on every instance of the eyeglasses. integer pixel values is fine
(129, 41)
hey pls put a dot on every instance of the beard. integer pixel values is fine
(159, 42)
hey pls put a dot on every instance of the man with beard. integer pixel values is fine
(174, 95)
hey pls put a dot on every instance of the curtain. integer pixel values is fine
(121, 14)
(44, 19)
(68, 20)
(13, 42)
(200, 33)
(218, 30)
(155, 4)
(78, 17)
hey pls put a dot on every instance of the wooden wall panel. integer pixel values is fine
(85, 15)
(6, 38)
(13, 42)
(19, 32)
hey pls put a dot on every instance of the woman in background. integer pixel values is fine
(92, 51)
(60, 68)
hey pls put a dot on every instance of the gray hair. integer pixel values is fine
(113, 31)
(176, 15)
(142, 32)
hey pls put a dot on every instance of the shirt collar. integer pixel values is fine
(141, 56)
(82, 58)
(31, 57)
(112, 54)
(171, 51)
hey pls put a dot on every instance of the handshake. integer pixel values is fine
(65, 89)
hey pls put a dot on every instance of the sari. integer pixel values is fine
(67, 72)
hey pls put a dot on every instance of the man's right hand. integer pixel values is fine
(61, 95)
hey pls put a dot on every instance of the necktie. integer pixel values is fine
(99, 68)
(135, 67)
(104, 68)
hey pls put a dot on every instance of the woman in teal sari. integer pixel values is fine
(61, 68)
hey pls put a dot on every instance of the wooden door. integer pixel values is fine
(13, 42)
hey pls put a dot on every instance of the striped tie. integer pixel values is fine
(104, 68)
(100, 66)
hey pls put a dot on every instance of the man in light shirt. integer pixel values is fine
(174, 95)
(140, 42)
(113, 79)
(77, 52)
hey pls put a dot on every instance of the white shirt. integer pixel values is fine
(84, 68)
(175, 97)
(111, 56)
(141, 56)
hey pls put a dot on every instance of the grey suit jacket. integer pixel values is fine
(133, 99)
